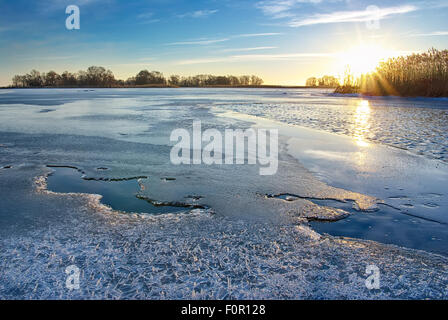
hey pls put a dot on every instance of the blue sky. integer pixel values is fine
(282, 41)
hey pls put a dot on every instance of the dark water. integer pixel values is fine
(119, 195)
(387, 225)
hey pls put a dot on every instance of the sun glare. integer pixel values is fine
(361, 123)
(363, 58)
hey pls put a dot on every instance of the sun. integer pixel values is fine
(363, 59)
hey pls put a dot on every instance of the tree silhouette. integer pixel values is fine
(96, 76)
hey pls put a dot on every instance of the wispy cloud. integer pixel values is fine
(206, 41)
(249, 35)
(281, 8)
(147, 17)
(277, 9)
(432, 34)
(198, 42)
(198, 14)
(247, 49)
(256, 57)
(352, 16)
(435, 4)
(285, 9)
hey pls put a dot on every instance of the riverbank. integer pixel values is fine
(171, 86)
(391, 93)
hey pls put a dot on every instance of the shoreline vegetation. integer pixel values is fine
(263, 86)
(416, 75)
(99, 77)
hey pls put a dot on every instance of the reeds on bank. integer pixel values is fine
(424, 74)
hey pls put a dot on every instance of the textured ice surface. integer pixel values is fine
(413, 189)
(416, 124)
(188, 256)
(253, 246)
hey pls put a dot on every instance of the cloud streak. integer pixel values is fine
(198, 42)
(247, 49)
(432, 34)
(213, 41)
(147, 18)
(352, 16)
(281, 8)
(198, 14)
(249, 35)
(256, 57)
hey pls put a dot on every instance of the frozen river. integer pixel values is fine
(86, 180)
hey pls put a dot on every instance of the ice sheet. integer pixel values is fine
(253, 246)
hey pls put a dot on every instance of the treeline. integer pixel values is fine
(423, 74)
(210, 80)
(325, 81)
(100, 77)
(94, 76)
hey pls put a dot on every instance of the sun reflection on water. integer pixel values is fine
(362, 126)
